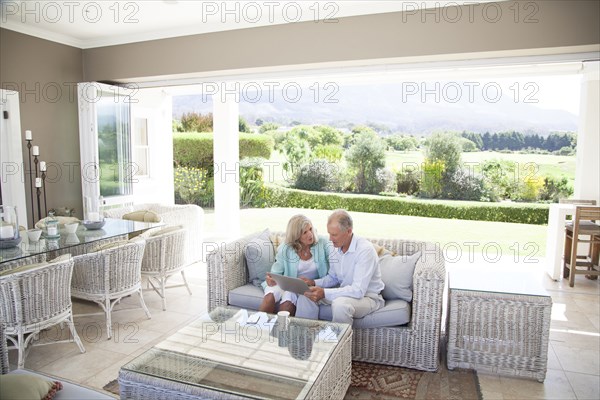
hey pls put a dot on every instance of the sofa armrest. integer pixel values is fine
(226, 270)
(428, 288)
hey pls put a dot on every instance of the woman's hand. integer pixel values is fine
(309, 282)
(270, 281)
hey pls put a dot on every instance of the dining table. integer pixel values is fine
(79, 242)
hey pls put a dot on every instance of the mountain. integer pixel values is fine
(407, 108)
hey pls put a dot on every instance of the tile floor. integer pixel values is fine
(573, 355)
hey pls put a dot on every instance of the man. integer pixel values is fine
(353, 283)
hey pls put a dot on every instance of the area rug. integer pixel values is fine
(384, 382)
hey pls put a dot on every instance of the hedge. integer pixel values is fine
(193, 149)
(537, 214)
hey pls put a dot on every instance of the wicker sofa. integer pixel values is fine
(413, 345)
(189, 216)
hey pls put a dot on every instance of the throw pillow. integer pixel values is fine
(397, 275)
(27, 387)
(260, 256)
(41, 224)
(142, 216)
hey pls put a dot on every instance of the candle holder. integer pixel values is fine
(44, 187)
(38, 188)
(31, 183)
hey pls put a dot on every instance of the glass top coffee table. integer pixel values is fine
(223, 354)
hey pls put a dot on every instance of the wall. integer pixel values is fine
(510, 27)
(44, 74)
(555, 26)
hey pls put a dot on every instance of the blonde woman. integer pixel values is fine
(302, 255)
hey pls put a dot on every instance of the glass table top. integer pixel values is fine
(113, 227)
(222, 351)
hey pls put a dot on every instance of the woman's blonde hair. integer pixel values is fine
(294, 230)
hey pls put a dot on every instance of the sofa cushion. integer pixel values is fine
(260, 256)
(247, 296)
(394, 313)
(397, 275)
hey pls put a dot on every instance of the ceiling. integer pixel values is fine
(88, 24)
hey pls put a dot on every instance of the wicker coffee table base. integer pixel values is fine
(332, 383)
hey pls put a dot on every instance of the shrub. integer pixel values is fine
(251, 182)
(318, 175)
(408, 182)
(276, 196)
(462, 185)
(196, 149)
(431, 181)
(194, 186)
(386, 180)
(555, 188)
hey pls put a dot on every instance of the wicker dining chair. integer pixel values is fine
(164, 256)
(108, 275)
(585, 228)
(35, 297)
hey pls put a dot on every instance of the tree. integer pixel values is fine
(329, 135)
(243, 125)
(365, 157)
(268, 126)
(196, 122)
(445, 148)
(259, 122)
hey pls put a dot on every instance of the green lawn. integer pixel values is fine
(489, 238)
(530, 165)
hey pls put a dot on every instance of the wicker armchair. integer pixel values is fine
(190, 216)
(34, 299)
(163, 258)
(106, 276)
(414, 345)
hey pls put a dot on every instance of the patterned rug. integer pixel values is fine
(384, 382)
(374, 381)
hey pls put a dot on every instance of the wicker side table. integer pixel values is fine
(501, 328)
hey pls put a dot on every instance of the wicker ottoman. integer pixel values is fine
(499, 324)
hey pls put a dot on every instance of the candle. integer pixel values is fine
(6, 232)
(42, 165)
(52, 230)
(38, 182)
(28, 135)
(36, 151)
(93, 216)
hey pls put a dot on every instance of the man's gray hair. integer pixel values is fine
(343, 219)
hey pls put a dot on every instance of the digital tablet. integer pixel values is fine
(295, 285)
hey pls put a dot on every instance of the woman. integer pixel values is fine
(302, 255)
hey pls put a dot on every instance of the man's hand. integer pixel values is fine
(315, 293)
(309, 282)
(270, 281)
